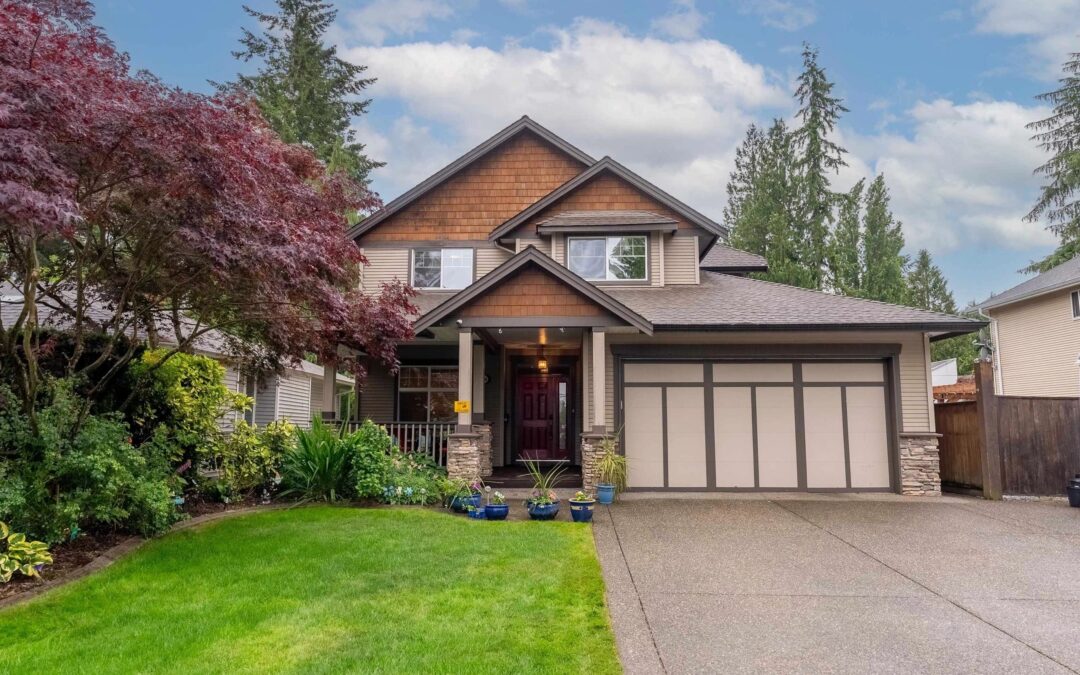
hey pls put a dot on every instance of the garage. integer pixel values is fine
(757, 425)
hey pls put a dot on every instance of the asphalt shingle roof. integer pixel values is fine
(730, 302)
(721, 258)
(1063, 276)
(593, 218)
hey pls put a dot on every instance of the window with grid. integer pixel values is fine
(609, 258)
(427, 393)
(442, 268)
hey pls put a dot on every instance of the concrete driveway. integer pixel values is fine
(852, 583)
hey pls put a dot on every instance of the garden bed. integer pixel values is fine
(67, 558)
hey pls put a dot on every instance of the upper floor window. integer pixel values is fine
(609, 258)
(442, 268)
(1075, 297)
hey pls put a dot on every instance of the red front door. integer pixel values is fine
(543, 417)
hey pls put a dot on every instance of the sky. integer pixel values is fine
(939, 93)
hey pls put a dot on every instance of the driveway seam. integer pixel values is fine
(637, 593)
(922, 585)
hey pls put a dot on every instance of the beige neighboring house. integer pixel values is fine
(1035, 329)
(565, 298)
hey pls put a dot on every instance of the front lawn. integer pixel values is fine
(326, 589)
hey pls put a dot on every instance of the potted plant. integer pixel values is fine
(581, 507)
(476, 512)
(610, 471)
(465, 494)
(543, 503)
(497, 508)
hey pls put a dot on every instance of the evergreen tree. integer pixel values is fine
(926, 286)
(846, 247)
(817, 157)
(307, 93)
(883, 243)
(740, 184)
(1059, 135)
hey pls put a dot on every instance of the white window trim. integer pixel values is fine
(427, 390)
(1074, 301)
(605, 237)
(412, 267)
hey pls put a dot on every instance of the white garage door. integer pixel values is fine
(756, 425)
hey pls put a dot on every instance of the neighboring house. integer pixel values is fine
(295, 395)
(943, 372)
(961, 390)
(563, 298)
(1035, 329)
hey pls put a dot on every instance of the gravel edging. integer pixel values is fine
(124, 548)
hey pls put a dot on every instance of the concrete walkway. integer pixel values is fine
(862, 583)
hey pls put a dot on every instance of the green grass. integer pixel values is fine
(330, 590)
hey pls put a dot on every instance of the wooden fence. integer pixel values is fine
(1008, 444)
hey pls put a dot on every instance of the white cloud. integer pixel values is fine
(789, 15)
(464, 35)
(684, 22)
(963, 178)
(1051, 26)
(378, 20)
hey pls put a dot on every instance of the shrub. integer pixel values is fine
(72, 477)
(249, 458)
(319, 466)
(414, 479)
(20, 554)
(371, 448)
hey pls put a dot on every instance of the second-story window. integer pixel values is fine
(609, 258)
(442, 268)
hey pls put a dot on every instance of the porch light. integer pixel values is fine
(541, 363)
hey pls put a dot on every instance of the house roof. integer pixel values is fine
(1063, 276)
(607, 164)
(591, 221)
(721, 258)
(531, 256)
(450, 170)
(725, 302)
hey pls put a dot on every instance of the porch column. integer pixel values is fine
(329, 387)
(599, 366)
(478, 382)
(465, 376)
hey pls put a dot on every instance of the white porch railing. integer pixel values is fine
(429, 438)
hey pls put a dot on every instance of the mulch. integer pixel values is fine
(67, 557)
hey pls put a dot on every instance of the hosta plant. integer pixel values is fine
(18, 554)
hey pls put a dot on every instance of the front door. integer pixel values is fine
(543, 417)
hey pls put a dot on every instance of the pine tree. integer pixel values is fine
(926, 286)
(307, 93)
(845, 246)
(817, 157)
(883, 243)
(1059, 135)
(740, 184)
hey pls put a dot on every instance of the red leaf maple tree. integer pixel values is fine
(134, 209)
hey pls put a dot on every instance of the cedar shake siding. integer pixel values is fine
(468, 206)
(1036, 345)
(532, 292)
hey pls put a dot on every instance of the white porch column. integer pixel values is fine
(329, 388)
(478, 381)
(599, 368)
(465, 376)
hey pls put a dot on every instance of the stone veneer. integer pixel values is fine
(468, 455)
(590, 453)
(920, 467)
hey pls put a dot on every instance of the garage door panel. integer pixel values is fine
(844, 372)
(777, 461)
(686, 437)
(824, 425)
(644, 437)
(733, 428)
(753, 372)
(868, 437)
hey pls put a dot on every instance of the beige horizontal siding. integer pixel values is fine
(232, 381)
(1037, 345)
(543, 245)
(377, 397)
(681, 260)
(488, 259)
(294, 399)
(914, 390)
(384, 265)
(266, 402)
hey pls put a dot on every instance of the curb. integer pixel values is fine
(123, 549)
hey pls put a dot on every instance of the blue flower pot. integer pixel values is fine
(496, 511)
(543, 511)
(605, 493)
(459, 502)
(478, 513)
(582, 512)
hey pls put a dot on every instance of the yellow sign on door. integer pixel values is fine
(461, 406)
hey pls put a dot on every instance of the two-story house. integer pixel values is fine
(1035, 330)
(565, 298)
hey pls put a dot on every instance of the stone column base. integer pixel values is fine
(463, 456)
(920, 466)
(590, 453)
(483, 431)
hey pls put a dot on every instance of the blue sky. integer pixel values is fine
(939, 92)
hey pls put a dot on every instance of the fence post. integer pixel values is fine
(986, 410)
